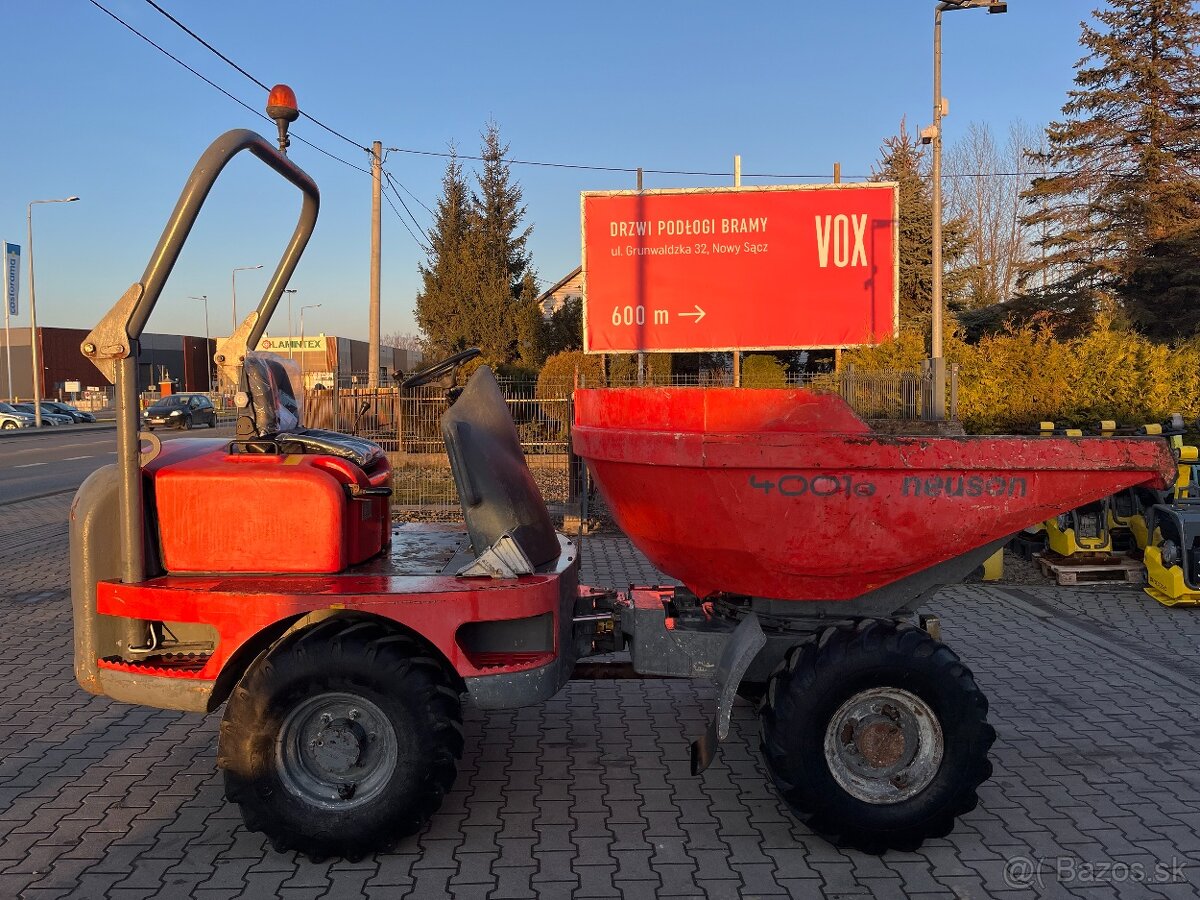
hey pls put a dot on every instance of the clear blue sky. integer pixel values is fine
(93, 110)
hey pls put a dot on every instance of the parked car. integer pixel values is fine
(11, 417)
(48, 418)
(67, 409)
(181, 411)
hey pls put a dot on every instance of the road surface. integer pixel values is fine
(60, 458)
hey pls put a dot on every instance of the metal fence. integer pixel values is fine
(405, 423)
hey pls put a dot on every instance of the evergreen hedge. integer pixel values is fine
(1007, 383)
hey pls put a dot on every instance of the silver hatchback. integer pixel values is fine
(11, 417)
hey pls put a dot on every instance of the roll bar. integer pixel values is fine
(111, 345)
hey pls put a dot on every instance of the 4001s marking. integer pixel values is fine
(825, 485)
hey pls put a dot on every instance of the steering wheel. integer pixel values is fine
(438, 369)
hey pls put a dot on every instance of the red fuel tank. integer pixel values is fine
(263, 513)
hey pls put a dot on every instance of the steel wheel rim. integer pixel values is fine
(884, 745)
(336, 750)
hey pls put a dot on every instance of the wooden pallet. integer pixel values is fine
(1114, 567)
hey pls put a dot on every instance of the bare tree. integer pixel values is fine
(405, 340)
(984, 182)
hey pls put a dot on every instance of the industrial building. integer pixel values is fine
(181, 360)
(177, 358)
(322, 358)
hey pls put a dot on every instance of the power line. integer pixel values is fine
(391, 181)
(698, 174)
(418, 199)
(416, 239)
(176, 59)
(411, 234)
(257, 81)
(405, 205)
(208, 45)
(443, 154)
(213, 84)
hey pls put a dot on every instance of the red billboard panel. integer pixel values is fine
(771, 268)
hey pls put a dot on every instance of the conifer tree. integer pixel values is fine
(444, 304)
(499, 250)
(1122, 192)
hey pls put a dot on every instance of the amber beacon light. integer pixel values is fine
(281, 106)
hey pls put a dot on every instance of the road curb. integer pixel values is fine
(10, 433)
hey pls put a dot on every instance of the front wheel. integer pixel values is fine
(341, 740)
(8, 425)
(876, 736)
(186, 424)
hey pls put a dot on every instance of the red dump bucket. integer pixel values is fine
(786, 494)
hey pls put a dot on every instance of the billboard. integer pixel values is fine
(760, 268)
(12, 277)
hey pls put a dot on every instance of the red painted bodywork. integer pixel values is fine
(251, 512)
(434, 607)
(786, 494)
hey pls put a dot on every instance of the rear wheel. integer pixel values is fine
(341, 740)
(876, 736)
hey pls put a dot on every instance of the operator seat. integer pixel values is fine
(276, 418)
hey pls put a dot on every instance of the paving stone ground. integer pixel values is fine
(1095, 695)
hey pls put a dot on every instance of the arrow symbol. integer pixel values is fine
(699, 313)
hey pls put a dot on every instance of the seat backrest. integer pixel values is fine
(272, 399)
(495, 487)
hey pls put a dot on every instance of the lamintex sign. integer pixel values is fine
(292, 344)
(764, 268)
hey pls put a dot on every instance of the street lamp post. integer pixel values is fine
(33, 332)
(291, 347)
(304, 352)
(207, 345)
(234, 277)
(937, 361)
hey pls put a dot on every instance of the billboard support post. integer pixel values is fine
(837, 351)
(737, 354)
(641, 357)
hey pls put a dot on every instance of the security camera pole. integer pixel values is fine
(937, 361)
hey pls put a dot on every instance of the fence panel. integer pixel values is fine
(406, 424)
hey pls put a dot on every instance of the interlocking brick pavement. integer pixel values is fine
(589, 795)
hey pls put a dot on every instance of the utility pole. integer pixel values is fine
(376, 216)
